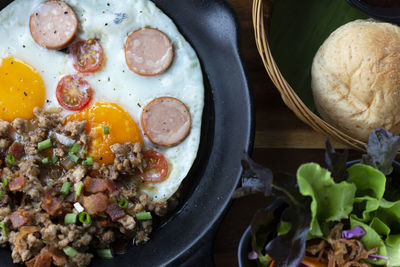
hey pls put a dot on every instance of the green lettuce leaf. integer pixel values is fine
(394, 256)
(379, 226)
(381, 215)
(368, 180)
(284, 228)
(393, 240)
(364, 208)
(389, 213)
(330, 201)
(371, 240)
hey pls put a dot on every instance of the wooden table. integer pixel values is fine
(282, 141)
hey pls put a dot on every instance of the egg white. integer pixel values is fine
(111, 22)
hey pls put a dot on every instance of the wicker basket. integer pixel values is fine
(262, 14)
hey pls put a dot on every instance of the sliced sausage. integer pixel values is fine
(53, 24)
(166, 121)
(149, 52)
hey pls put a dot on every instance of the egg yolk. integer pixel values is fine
(107, 124)
(21, 89)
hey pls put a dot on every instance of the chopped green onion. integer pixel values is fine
(65, 188)
(106, 130)
(44, 144)
(123, 203)
(3, 227)
(70, 251)
(143, 216)
(1, 194)
(88, 161)
(85, 218)
(54, 159)
(73, 157)
(78, 191)
(70, 218)
(85, 151)
(105, 253)
(5, 182)
(10, 159)
(75, 148)
(45, 160)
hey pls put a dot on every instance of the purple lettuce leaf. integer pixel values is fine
(289, 249)
(336, 162)
(255, 179)
(286, 249)
(382, 148)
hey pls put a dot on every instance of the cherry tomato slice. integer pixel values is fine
(157, 167)
(73, 92)
(88, 56)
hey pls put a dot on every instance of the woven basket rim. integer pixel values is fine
(262, 12)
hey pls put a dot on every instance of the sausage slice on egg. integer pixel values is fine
(166, 121)
(149, 52)
(53, 24)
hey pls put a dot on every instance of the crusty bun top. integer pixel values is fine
(356, 78)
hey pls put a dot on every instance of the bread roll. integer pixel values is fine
(356, 78)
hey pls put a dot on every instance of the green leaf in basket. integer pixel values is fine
(298, 29)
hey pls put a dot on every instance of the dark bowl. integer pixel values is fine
(244, 249)
(391, 14)
(186, 238)
(245, 241)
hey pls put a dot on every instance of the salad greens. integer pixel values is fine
(317, 198)
(331, 202)
(359, 199)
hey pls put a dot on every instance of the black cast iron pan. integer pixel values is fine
(186, 238)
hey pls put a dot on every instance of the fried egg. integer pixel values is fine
(30, 73)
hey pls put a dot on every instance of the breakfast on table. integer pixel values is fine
(101, 112)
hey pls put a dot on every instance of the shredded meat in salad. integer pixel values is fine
(339, 252)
